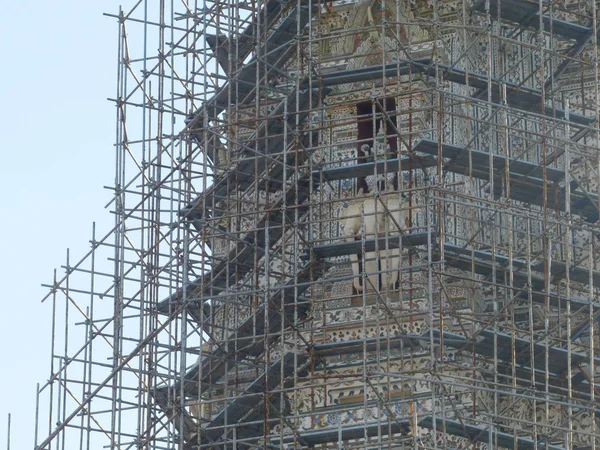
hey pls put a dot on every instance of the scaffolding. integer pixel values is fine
(349, 224)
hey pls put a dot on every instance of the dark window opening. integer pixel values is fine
(376, 142)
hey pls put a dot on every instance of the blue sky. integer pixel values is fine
(58, 68)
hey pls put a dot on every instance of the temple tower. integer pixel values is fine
(365, 224)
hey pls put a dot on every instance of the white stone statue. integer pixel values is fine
(370, 217)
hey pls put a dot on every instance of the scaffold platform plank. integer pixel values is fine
(372, 168)
(481, 160)
(273, 53)
(249, 338)
(526, 178)
(239, 408)
(164, 397)
(484, 261)
(251, 398)
(527, 13)
(251, 244)
(273, 132)
(491, 437)
(540, 380)
(241, 177)
(557, 268)
(525, 182)
(486, 264)
(394, 240)
(523, 374)
(370, 344)
(387, 427)
(519, 97)
(280, 125)
(392, 69)
(489, 343)
(243, 43)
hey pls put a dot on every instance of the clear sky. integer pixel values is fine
(58, 67)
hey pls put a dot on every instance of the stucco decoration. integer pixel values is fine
(380, 25)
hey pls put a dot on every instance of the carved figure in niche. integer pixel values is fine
(381, 150)
(219, 153)
(196, 407)
(223, 159)
(197, 410)
(366, 149)
(376, 216)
